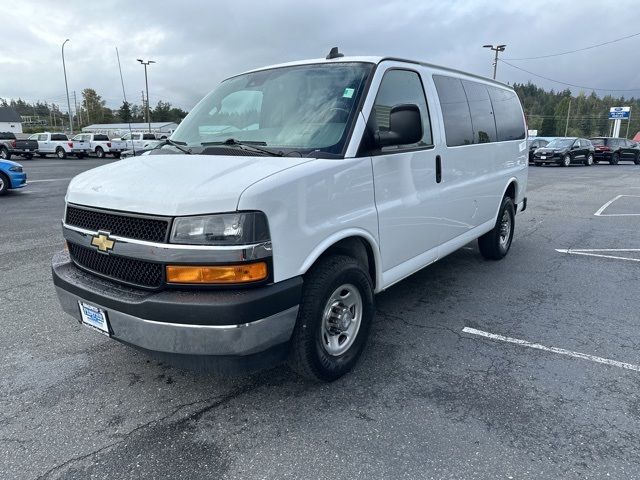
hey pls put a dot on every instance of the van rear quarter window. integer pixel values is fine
(508, 114)
(482, 118)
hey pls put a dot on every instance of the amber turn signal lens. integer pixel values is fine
(217, 274)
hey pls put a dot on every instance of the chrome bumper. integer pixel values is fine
(241, 339)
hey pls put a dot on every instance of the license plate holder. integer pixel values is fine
(94, 318)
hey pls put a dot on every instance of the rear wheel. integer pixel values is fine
(589, 161)
(615, 158)
(566, 160)
(4, 184)
(99, 152)
(61, 153)
(334, 319)
(4, 153)
(116, 155)
(495, 244)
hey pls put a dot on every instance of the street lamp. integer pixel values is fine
(66, 86)
(497, 48)
(146, 81)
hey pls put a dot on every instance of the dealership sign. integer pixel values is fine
(619, 112)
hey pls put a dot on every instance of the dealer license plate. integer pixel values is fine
(543, 157)
(94, 317)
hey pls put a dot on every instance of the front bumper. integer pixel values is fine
(17, 179)
(234, 323)
(554, 158)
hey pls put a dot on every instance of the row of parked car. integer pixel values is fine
(565, 151)
(81, 145)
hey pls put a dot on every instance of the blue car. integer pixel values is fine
(11, 176)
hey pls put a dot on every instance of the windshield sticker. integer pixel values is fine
(348, 92)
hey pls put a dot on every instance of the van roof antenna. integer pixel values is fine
(334, 53)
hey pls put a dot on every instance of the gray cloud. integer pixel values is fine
(196, 44)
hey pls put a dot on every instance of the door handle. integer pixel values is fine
(438, 169)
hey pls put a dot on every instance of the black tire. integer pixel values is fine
(28, 156)
(99, 152)
(61, 153)
(4, 184)
(636, 159)
(494, 245)
(308, 356)
(589, 160)
(5, 154)
(116, 155)
(566, 160)
(615, 158)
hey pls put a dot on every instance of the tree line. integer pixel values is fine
(91, 109)
(553, 113)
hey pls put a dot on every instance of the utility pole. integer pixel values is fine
(628, 123)
(497, 49)
(566, 127)
(75, 102)
(146, 81)
(66, 86)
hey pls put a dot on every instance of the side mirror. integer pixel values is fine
(405, 127)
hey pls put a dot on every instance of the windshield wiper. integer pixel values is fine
(174, 143)
(249, 145)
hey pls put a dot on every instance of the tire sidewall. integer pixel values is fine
(99, 152)
(60, 153)
(566, 160)
(5, 184)
(4, 154)
(587, 162)
(310, 321)
(507, 204)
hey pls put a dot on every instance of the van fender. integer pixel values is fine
(334, 238)
(513, 180)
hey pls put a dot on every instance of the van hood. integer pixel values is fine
(174, 184)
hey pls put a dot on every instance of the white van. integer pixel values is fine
(286, 199)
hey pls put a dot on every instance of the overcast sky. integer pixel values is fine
(196, 44)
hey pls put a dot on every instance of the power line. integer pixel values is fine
(570, 84)
(577, 50)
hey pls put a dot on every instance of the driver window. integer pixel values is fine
(400, 87)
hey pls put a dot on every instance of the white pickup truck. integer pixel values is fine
(60, 145)
(140, 140)
(262, 231)
(100, 145)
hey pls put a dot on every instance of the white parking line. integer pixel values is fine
(589, 252)
(49, 180)
(561, 351)
(604, 207)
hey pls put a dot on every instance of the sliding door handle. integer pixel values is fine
(438, 169)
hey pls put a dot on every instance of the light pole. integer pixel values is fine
(66, 86)
(497, 49)
(146, 81)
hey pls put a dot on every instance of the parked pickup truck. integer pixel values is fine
(10, 145)
(60, 145)
(266, 241)
(100, 144)
(140, 141)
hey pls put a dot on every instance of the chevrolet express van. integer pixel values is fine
(283, 202)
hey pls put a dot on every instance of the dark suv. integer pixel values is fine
(534, 144)
(614, 150)
(565, 151)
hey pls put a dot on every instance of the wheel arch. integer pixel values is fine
(356, 243)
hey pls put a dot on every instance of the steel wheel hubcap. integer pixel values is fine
(505, 229)
(1, 184)
(341, 319)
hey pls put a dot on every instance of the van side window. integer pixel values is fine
(400, 87)
(482, 120)
(508, 114)
(455, 111)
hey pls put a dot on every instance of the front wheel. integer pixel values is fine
(61, 153)
(99, 152)
(566, 160)
(495, 244)
(4, 153)
(589, 161)
(334, 319)
(4, 184)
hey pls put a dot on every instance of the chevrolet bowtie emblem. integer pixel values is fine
(102, 242)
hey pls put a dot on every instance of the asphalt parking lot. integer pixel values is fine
(449, 387)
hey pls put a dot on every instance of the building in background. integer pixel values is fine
(160, 129)
(10, 120)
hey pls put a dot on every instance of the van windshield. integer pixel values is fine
(300, 108)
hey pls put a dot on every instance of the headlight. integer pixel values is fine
(239, 228)
(15, 169)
